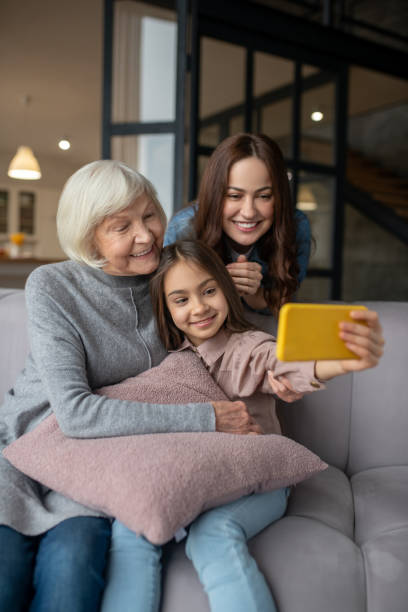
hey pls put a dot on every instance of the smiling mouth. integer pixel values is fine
(142, 253)
(246, 225)
(204, 322)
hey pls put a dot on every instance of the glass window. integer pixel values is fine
(317, 120)
(26, 211)
(276, 122)
(144, 63)
(222, 82)
(153, 156)
(273, 82)
(315, 198)
(375, 262)
(314, 289)
(209, 136)
(3, 212)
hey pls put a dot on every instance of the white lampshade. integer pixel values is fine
(306, 200)
(24, 165)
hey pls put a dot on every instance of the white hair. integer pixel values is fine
(92, 193)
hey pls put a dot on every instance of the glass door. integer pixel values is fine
(243, 80)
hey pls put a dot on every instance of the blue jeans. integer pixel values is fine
(133, 581)
(217, 546)
(59, 570)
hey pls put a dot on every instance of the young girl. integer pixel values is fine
(244, 211)
(197, 308)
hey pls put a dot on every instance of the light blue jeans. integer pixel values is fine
(217, 546)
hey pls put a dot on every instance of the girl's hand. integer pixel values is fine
(234, 418)
(247, 275)
(283, 389)
(366, 341)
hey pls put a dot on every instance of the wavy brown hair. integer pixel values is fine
(277, 247)
(201, 255)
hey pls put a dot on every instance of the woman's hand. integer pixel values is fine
(234, 418)
(247, 275)
(283, 389)
(366, 341)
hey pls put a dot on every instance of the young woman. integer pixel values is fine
(244, 211)
(52, 550)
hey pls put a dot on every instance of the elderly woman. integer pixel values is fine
(90, 324)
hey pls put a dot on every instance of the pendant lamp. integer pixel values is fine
(24, 164)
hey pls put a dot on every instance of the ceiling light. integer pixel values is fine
(306, 206)
(306, 199)
(24, 165)
(316, 115)
(64, 144)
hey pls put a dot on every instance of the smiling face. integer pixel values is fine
(248, 203)
(195, 301)
(131, 240)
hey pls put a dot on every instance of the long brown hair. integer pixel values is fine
(277, 247)
(203, 256)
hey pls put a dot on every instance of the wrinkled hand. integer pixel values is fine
(283, 389)
(247, 275)
(234, 418)
(366, 341)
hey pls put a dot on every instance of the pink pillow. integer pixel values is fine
(157, 483)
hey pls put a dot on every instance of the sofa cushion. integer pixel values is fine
(326, 497)
(380, 501)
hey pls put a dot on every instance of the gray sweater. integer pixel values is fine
(87, 329)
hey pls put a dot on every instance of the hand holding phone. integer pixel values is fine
(340, 338)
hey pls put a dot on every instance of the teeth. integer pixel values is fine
(244, 224)
(142, 253)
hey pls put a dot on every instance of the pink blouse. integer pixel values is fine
(239, 363)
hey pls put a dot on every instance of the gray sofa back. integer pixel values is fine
(352, 424)
(13, 337)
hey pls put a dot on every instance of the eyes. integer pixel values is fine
(183, 299)
(236, 196)
(125, 225)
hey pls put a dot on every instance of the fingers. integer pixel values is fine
(283, 389)
(368, 334)
(365, 339)
(247, 276)
(247, 270)
(233, 417)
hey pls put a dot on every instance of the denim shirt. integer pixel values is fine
(181, 227)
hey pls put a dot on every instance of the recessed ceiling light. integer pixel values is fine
(64, 144)
(316, 116)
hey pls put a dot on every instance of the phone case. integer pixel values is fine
(310, 331)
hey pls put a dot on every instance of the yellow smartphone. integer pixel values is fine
(311, 331)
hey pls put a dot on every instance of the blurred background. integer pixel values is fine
(160, 84)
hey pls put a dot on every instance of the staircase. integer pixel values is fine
(378, 193)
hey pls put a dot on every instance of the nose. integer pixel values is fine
(248, 209)
(198, 306)
(141, 233)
